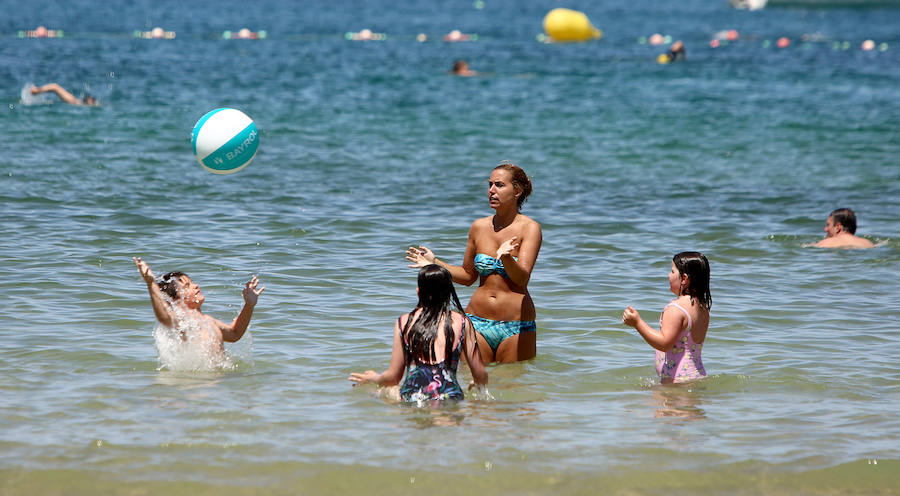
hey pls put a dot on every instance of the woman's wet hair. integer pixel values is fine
(519, 179)
(436, 292)
(846, 218)
(89, 100)
(168, 283)
(696, 266)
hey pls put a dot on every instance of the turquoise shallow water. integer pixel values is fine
(740, 152)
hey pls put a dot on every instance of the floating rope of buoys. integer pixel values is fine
(41, 32)
(567, 25)
(244, 34)
(365, 35)
(457, 35)
(156, 33)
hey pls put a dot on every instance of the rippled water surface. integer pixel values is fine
(367, 148)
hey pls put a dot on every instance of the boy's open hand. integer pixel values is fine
(146, 273)
(251, 294)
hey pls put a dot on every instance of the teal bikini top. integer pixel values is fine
(487, 265)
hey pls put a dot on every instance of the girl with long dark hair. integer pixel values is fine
(428, 342)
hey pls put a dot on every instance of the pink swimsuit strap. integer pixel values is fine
(681, 363)
(686, 313)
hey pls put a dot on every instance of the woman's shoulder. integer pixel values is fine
(527, 222)
(483, 222)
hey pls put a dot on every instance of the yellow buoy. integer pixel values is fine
(663, 58)
(570, 25)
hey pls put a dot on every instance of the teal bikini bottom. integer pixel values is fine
(495, 331)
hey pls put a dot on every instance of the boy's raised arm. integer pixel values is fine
(236, 330)
(161, 307)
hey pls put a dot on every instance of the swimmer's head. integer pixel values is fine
(179, 286)
(520, 180)
(695, 266)
(436, 294)
(460, 66)
(168, 283)
(435, 287)
(843, 217)
(89, 100)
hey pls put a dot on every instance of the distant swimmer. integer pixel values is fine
(683, 323)
(676, 53)
(176, 301)
(64, 95)
(840, 231)
(461, 68)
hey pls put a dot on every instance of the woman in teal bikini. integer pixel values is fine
(500, 254)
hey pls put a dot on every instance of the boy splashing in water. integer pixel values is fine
(176, 300)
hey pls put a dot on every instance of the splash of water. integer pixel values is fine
(28, 99)
(188, 347)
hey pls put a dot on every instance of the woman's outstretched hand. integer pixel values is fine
(420, 257)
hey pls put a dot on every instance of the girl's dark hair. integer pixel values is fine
(435, 294)
(519, 178)
(168, 283)
(696, 266)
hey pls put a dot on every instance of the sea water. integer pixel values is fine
(367, 148)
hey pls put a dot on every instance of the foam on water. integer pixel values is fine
(187, 348)
(28, 99)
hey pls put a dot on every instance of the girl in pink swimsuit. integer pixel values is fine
(683, 323)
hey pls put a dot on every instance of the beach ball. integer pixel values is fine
(225, 140)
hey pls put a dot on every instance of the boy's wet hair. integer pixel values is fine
(168, 283)
(846, 218)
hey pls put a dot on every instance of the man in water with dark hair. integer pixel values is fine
(461, 68)
(840, 231)
(64, 95)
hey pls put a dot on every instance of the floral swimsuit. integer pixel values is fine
(433, 381)
(682, 363)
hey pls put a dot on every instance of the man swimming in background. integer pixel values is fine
(840, 231)
(676, 52)
(64, 95)
(461, 68)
